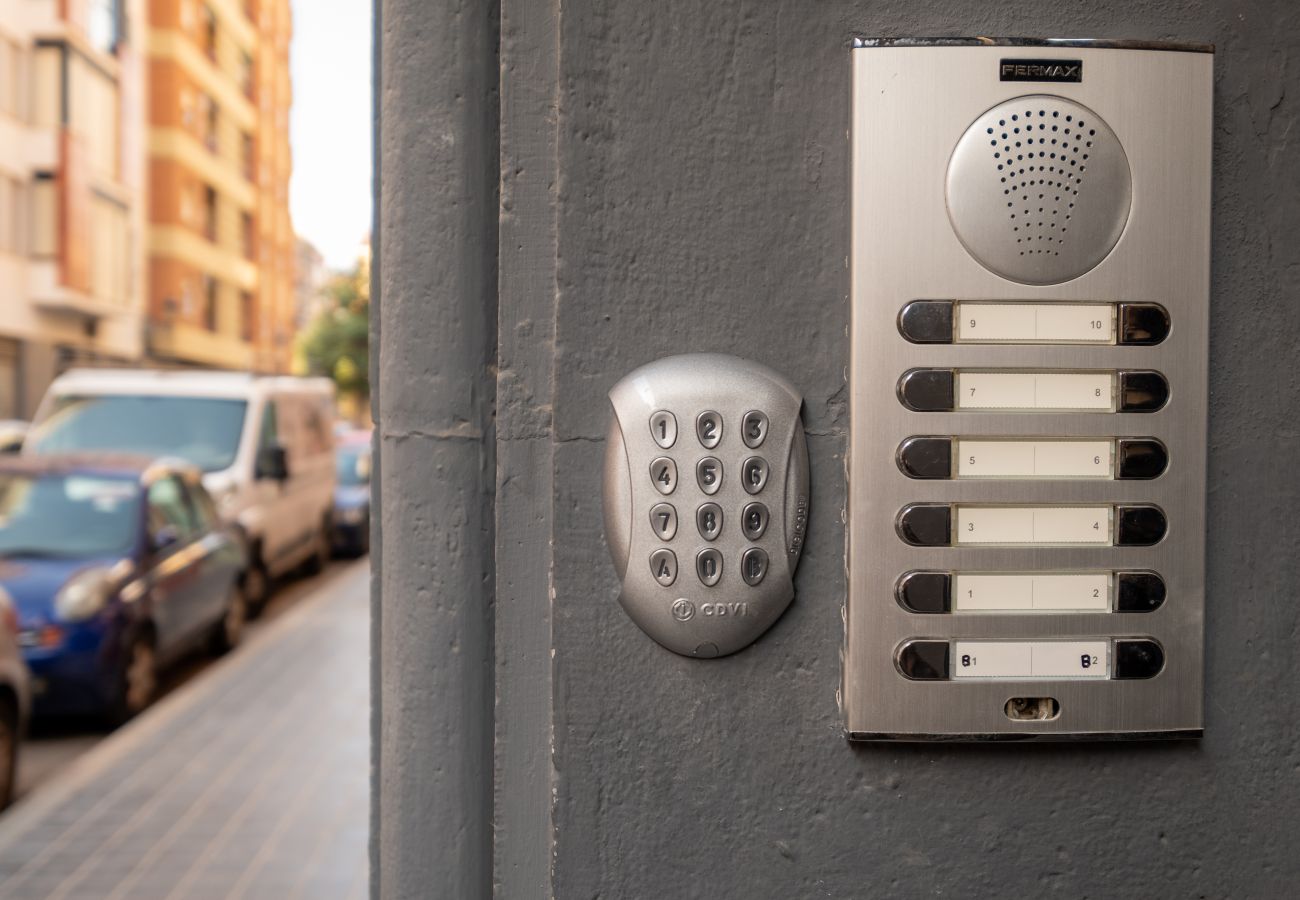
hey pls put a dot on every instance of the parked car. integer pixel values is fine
(265, 446)
(12, 434)
(352, 495)
(117, 565)
(15, 698)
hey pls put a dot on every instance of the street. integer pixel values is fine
(247, 778)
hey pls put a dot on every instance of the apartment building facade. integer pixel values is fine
(221, 244)
(71, 191)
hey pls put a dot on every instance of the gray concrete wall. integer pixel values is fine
(675, 177)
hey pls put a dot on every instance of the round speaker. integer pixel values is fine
(1039, 189)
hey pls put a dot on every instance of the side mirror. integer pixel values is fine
(273, 463)
(165, 537)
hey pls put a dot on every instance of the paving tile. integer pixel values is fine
(251, 781)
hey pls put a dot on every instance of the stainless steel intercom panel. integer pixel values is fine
(706, 499)
(1030, 295)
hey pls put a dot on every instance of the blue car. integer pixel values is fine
(117, 565)
(352, 494)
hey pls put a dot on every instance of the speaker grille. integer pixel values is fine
(1039, 189)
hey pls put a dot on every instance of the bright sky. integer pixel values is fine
(330, 126)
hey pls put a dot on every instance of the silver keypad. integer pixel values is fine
(743, 552)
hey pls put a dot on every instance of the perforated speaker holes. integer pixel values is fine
(1039, 189)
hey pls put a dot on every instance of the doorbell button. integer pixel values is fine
(1142, 391)
(1142, 323)
(926, 525)
(1039, 190)
(1140, 526)
(1139, 592)
(663, 474)
(663, 428)
(927, 390)
(1142, 459)
(926, 322)
(708, 427)
(1142, 658)
(924, 592)
(923, 660)
(734, 595)
(926, 457)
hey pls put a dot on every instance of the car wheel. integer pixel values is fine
(138, 679)
(256, 588)
(8, 751)
(230, 627)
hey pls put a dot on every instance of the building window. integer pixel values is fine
(13, 77)
(45, 216)
(12, 217)
(209, 303)
(208, 32)
(247, 325)
(249, 151)
(104, 24)
(249, 234)
(209, 122)
(245, 74)
(210, 212)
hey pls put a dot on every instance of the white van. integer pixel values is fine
(265, 445)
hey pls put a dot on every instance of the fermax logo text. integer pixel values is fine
(1058, 70)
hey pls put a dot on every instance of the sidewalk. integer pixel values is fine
(251, 781)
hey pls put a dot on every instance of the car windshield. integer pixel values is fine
(67, 515)
(353, 465)
(200, 430)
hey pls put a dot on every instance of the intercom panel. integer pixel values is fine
(1030, 294)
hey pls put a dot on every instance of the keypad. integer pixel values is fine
(710, 517)
(682, 550)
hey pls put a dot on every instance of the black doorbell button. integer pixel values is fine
(924, 592)
(927, 390)
(1141, 459)
(926, 525)
(1140, 526)
(1142, 391)
(1139, 592)
(1138, 659)
(924, 660)
(926, 457)
(1142, 323)
(926, 322)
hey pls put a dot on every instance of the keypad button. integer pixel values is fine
(753, 566)
(663, 472)
(753, 520)
(708, 474)
(753, 429)
(663, 566)
(708, 565)
(663, 428)
(753, 474)
(708, 518)
(708, 427)
(663, 521)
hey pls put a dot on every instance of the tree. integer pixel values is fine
(337, 343)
